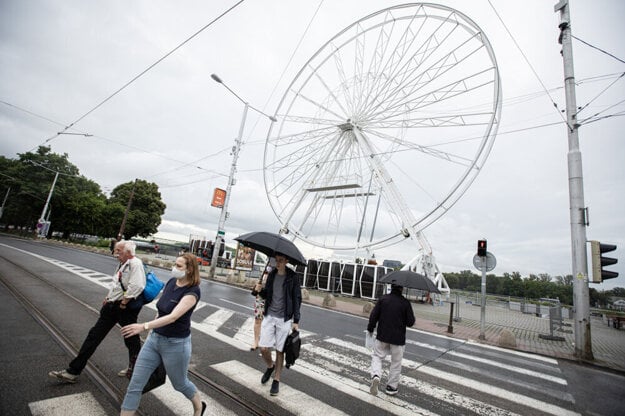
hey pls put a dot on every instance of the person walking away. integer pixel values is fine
(170, 339)
(128, 284)
(392, 314)
(283, 298)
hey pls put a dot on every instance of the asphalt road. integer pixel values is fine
(440, 375)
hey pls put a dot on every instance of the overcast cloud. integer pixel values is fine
(175, 126)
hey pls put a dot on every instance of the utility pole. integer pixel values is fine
(42, 218)
(4, 201)
(219, 240)
(577, 211)
(132, 194)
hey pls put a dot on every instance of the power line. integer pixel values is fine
(144, 71)
(598, 95)
(527, 61)
(275, 87)
(599, 49)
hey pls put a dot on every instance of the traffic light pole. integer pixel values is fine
(581, 300)
(483, 302)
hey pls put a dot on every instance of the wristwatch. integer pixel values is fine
(146, 326)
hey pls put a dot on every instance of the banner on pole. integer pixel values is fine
(219, 198)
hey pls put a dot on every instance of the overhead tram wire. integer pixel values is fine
(597, 48)
(582, 108)
(119, 143)
(142, 73)
(555, 105)
(275, 87)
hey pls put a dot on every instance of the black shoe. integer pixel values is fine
(267, 375)
(203, 408)
(390, 390)
(275, 388)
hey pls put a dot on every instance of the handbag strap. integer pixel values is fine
(119, 276)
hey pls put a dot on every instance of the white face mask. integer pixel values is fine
(177, 273)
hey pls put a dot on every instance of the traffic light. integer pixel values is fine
(598, 261)
(481, 248)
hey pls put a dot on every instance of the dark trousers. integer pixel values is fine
(110, 315)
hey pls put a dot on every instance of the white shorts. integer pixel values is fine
(273, 332)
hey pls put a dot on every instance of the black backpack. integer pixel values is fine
(291, 348)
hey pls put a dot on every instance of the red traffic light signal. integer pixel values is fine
(481, 248)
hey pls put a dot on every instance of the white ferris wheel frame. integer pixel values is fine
(313, 178)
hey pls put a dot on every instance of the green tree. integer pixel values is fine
(73, 203)
(146, 208)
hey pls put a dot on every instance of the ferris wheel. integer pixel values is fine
(383, 129)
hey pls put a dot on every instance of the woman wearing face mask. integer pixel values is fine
(170, 340)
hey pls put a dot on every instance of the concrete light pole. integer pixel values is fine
(42, 218)
(219, 239)
(577, 211)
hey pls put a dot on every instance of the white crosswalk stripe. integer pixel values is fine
(180, 405)
(493, 363)
(356, 361)
(292, 400)
(473, 383)
(72, 404)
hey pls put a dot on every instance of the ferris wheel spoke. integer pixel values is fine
(332, 94)
(309, 121)
(426, 150)
(450, 120)
(415, 78)
(340, 70)
(439, 96)
(304, 137)
(319, 105)
(392, 65)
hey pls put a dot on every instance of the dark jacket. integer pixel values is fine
(392, 314)
(292, 293)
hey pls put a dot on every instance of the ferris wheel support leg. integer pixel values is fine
(426, 264)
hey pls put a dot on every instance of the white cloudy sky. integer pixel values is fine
(175, 126)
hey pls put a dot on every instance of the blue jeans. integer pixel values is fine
(175, 353)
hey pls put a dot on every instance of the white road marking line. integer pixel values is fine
(508, 367)
(421, 386)
(471, 383)
(292, 400)
(515, 352)
(180, 405)
(246, 331)
(73, 404)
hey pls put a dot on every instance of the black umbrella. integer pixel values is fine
(272, 244)
(413, 280)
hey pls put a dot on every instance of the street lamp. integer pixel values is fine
(219, 240)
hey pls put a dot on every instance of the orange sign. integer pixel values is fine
(219, 198)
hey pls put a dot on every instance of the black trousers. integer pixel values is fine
(110, 315)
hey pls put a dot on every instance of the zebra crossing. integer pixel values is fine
(469, 378)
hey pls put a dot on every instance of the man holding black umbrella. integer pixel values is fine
(392, 314)
(283, 298)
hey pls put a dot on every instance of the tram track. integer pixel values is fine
(97, 376)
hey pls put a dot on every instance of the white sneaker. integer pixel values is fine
(123, 372)
(375, 382)
(63, 375)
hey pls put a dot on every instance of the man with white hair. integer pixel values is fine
(121, 305)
